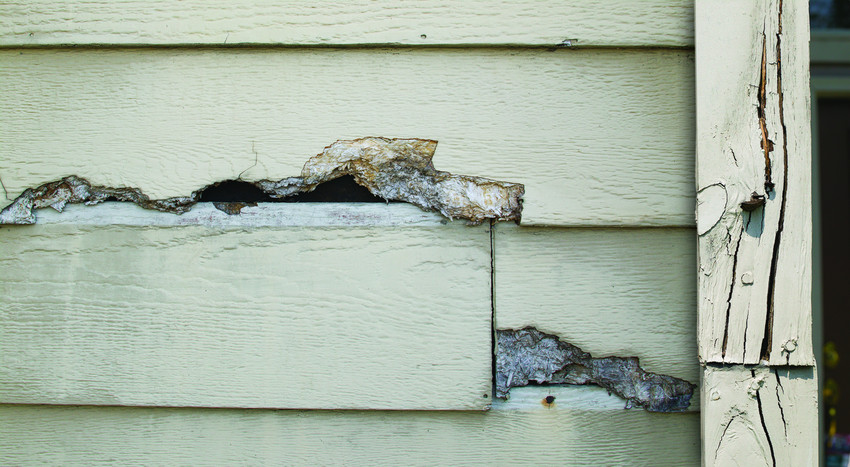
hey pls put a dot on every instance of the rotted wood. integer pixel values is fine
(753, 180)
(754, 226)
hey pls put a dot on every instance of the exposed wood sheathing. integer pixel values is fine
(393, 169)
(527, 355)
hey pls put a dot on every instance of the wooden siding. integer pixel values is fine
(598, 137)
(626, 292)
(151, 94)
(609, 23)
(386, 316)
(564, 434)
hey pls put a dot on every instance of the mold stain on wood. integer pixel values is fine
(528, 356)
(392, 169)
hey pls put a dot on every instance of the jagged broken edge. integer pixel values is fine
(393, 169)
(527, 356)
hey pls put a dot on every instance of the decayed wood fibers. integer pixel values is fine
(393, 169)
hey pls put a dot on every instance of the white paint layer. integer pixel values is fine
(610, 23)
(261, 215)
(598, 137)
(753, 113)
(216, 315)
(626, 292)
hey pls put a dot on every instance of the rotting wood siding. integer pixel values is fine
(534, 93)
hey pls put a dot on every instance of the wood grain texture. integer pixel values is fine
(753, 128)
(759, 416)
(387, 317)
(607, 23)
(560, 435)
(598, 137)
(627, 292)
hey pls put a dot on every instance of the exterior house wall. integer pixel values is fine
(590, 107)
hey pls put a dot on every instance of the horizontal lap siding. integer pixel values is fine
(624, 292)
(555, 436)
(598, 137)
(317, 317)
(614, 23)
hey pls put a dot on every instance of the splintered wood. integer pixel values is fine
(753, 177)
(759, 394)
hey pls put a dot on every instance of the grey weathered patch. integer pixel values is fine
(393, 169)
(529, 356)
(73, 189)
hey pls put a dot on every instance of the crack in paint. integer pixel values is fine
(528, 356)
(764, 424)
(729, 299)
(720, 441)
(779, 401)
(393, 169)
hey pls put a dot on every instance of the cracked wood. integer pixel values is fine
(753, 182)
(759, 416)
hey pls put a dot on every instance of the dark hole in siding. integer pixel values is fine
(339, 190)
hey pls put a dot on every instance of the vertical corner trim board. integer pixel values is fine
(753, 182)
(759, 386)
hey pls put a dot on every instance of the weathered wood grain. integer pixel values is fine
(216, 315)
(607, 23)
(624, 292)
(753, 139)
(598, 137)
(562, 434)
(759, 416)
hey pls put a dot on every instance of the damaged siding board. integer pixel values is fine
(611, 292)
(759, 416)
(392, 169)
(753, 178)
(561, 435)
(614, 148)
(607, 23)
(217, 315)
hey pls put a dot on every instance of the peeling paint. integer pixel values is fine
(529, 356)
(393, 169)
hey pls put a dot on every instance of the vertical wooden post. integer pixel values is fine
(759, 397)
